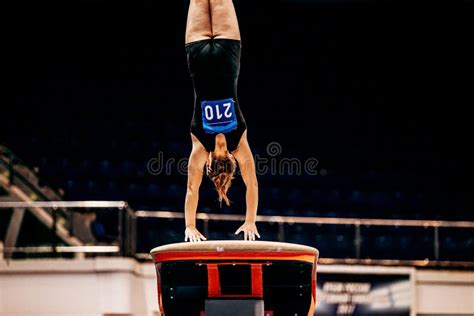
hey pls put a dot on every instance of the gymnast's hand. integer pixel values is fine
(250, 231)
(193, 235)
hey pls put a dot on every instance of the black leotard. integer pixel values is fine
(214, 65)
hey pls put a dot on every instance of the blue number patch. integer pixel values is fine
(218, 116)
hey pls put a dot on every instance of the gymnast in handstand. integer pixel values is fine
(218, 128)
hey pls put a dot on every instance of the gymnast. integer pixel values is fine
(218, 128)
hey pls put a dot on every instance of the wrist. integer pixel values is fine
(251, 217)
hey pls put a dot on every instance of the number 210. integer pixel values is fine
(209, 111)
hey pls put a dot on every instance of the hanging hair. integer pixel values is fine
(221, 172)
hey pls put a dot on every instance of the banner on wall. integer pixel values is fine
(363, 294)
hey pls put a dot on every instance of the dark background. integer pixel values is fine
(378, 91)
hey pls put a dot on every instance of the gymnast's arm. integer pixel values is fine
(196, 164)
(244, 157)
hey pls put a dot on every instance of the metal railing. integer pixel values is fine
(62, 249)
(65, 204)
(21, 175)
(127, 227)
(125, 237)
(357, 223)
(22, 180)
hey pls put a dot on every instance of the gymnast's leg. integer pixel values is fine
(198, 26)
(224, 20)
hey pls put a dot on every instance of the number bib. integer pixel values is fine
(218, 116)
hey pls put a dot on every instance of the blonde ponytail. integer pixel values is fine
(222, 182)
